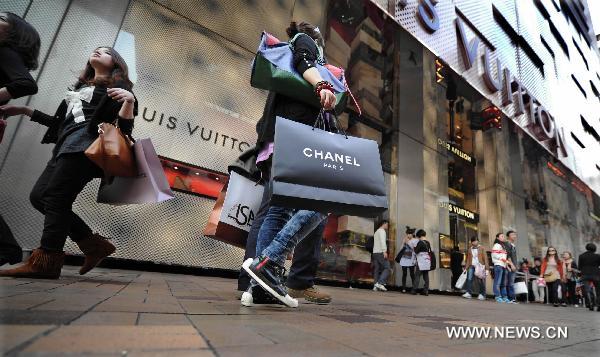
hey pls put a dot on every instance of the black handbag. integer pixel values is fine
(324, 171)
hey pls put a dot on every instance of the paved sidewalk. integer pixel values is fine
(131, 313)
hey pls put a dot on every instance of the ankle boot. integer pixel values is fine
(95, 248)
(41, 264)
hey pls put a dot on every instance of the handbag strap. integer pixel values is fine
(325, 124)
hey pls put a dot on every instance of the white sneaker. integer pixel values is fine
(375, 288)
(380, 287)
(481, 297)
(466, 295)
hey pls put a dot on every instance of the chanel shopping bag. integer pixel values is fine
(234, 211)
(149, 186)
(326, 172)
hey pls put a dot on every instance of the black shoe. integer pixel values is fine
(413, 292)
(269, 275)
(556, 305)
(258, 296)
(425, 293)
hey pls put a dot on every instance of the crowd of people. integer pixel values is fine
(102, 93)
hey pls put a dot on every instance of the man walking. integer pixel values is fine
(381, 264)
(477, 268)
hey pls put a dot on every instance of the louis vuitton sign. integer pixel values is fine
(540, 122)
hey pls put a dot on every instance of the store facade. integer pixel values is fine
(423, 72)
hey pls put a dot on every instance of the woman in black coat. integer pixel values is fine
(102, 93)
(19, 51)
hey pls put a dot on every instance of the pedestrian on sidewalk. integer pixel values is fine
(499, 259)
(569, 278)
(477, 267)
(19, 52)
(283, 228)
(552, 271)
(381, 264)
(511, 265)
(538, 284)
(101, 94)
(408, 258)
(589, 264)
(456, 265)
(424, 256)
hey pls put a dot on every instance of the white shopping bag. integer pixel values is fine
(462, 279)
(241, 202)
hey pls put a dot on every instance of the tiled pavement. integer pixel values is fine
(133, 313)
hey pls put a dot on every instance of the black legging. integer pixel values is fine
(553, 292)
(570, 290)
(412, 275)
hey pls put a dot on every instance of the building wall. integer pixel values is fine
(191, 65)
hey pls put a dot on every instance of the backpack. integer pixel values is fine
(432, 257)
(370, 243)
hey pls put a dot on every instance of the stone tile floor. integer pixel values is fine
(132, 313)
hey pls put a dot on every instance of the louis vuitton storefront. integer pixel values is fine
(427, 76)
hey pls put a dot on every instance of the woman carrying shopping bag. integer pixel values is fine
(102, 94)
(282, 228)
(552, 272)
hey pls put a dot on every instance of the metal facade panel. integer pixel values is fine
(555, 89)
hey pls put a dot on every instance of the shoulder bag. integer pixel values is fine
(112, 151)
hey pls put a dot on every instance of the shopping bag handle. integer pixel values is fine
(325, 125)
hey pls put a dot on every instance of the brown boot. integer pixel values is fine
(312, 294)
(95, 248)
(41, 264)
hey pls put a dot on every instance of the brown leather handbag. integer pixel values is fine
(112, 151)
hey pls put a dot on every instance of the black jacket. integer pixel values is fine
(589, 264)
(106, 112)
(305, 56)
(14, 76)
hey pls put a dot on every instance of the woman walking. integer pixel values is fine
(408, 258)
(102, 93)
(423, 252)
(569, 268)
(282, 228)
(19, 52)
(552, 271)
(499, 259)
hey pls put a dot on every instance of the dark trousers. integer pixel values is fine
(306, 254)
(381, 268)
(553, 292)
(569, 293)
(10, 250)
(411, 270)
(54, 193)
(418, 275)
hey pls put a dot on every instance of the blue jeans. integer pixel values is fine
(275, 242)
(469, 283)
(500, 278)
(510, 280)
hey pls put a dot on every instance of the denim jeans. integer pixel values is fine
(469, 283)
(510, 281)
(500, 281)
(277, 244)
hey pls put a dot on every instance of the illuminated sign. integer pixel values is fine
(471, 216)
(456, 151)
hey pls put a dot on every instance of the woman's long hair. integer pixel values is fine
(307, 28)
(118, 76)
(556, 257)
(23, 39)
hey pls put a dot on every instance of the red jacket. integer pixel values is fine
(559, 267)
